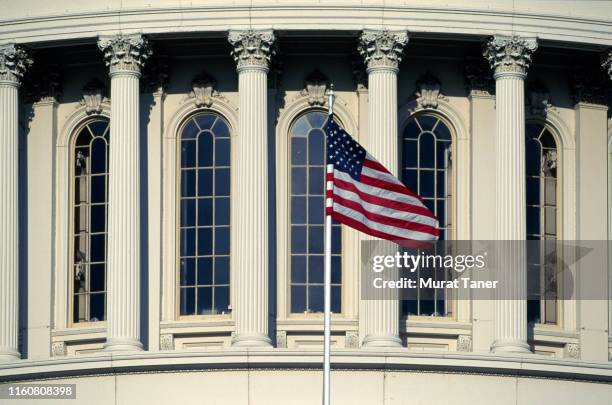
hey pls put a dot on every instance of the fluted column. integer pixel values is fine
(509, 58)
(252, 51)
(13, 63)
(124, 55)
(382, 53)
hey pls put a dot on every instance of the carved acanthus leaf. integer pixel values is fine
(315, 88)
(428, 91)
(203, 90)
(94, 95)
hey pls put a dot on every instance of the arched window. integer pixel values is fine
(308, 216)
(427, 169)
(90, 203)
(204, 211)
(542, 207)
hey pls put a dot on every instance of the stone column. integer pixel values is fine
(509, 58)
(382, 53)
(124, 55)
(252, 51)
(13, 63)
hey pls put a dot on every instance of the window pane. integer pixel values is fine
(187, 304)
(298, 299)
(97, 276)
(98, 156)
(98, 218)
(188, 242)
(205, 300)
(97, 307)
(205, 271)
(316, 180)
(205, 182)
(98, 189)
(298, 151)
(222, 182)
(426, 151)
(222, 295)
(188, 182)
(316, 269)
(205, 121)
(222, 211)
(188, 212)
(298, 239)
(298, 181)
(187, 272)
(205, 211)
(205, 241)
(222, 270)
(222, 240)
(316, 239)
(316, 147)
(298, 269)
(98, 247)
(188, 153)
(298, 210)
(205, 149)
(222, 152)
(220, 129)
(315, 298)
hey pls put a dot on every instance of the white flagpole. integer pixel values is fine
(327, 279)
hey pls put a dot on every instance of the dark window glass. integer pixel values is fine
(89, 222)
(205, 204)
(307, 213)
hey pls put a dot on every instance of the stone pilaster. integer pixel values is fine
(382, 54)
(14, 61)
(124, 56)
(510, 57)
(252, 51)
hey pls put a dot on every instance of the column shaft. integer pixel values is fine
(382, 52)
(250, 212)
(510, 58)
(123, 300)
(381, 316)
(124, 55)
(9, 214)
(252, 51)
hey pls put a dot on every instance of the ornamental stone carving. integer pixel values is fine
(203, 90)
(125, 53)
(352, 340)
(58, 349)
(382, 49)
(606, 63)
(281, 339)
(252, 48)
(94, 94)
(509, 55)
(572, 351)
(315, 88)
(427, 91)
(464, 343)
(14, 61)
(166, 341)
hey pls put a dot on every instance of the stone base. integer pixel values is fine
(251, 340)
(9, 355)
(510, 346)
(122, 345)
(382, 341)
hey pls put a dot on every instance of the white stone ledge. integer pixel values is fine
(172, 19)
(236, 359)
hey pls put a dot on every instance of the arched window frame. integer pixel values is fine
(178, 197)
(350, 238)
(561, 209)
(73, 203)
(453, 200)
(171, 319)
(62, 315)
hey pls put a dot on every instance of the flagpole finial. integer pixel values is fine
(331, 97)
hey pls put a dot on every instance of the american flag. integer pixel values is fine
(364, 195)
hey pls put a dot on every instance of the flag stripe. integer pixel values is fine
(374, 204)
(389, 230)
(381, 196)
(383, 219)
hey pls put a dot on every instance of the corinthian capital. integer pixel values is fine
(509, 55)
(382, 49)
(14, 61)
(606, 63)
(125, 53)
(251, 48)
